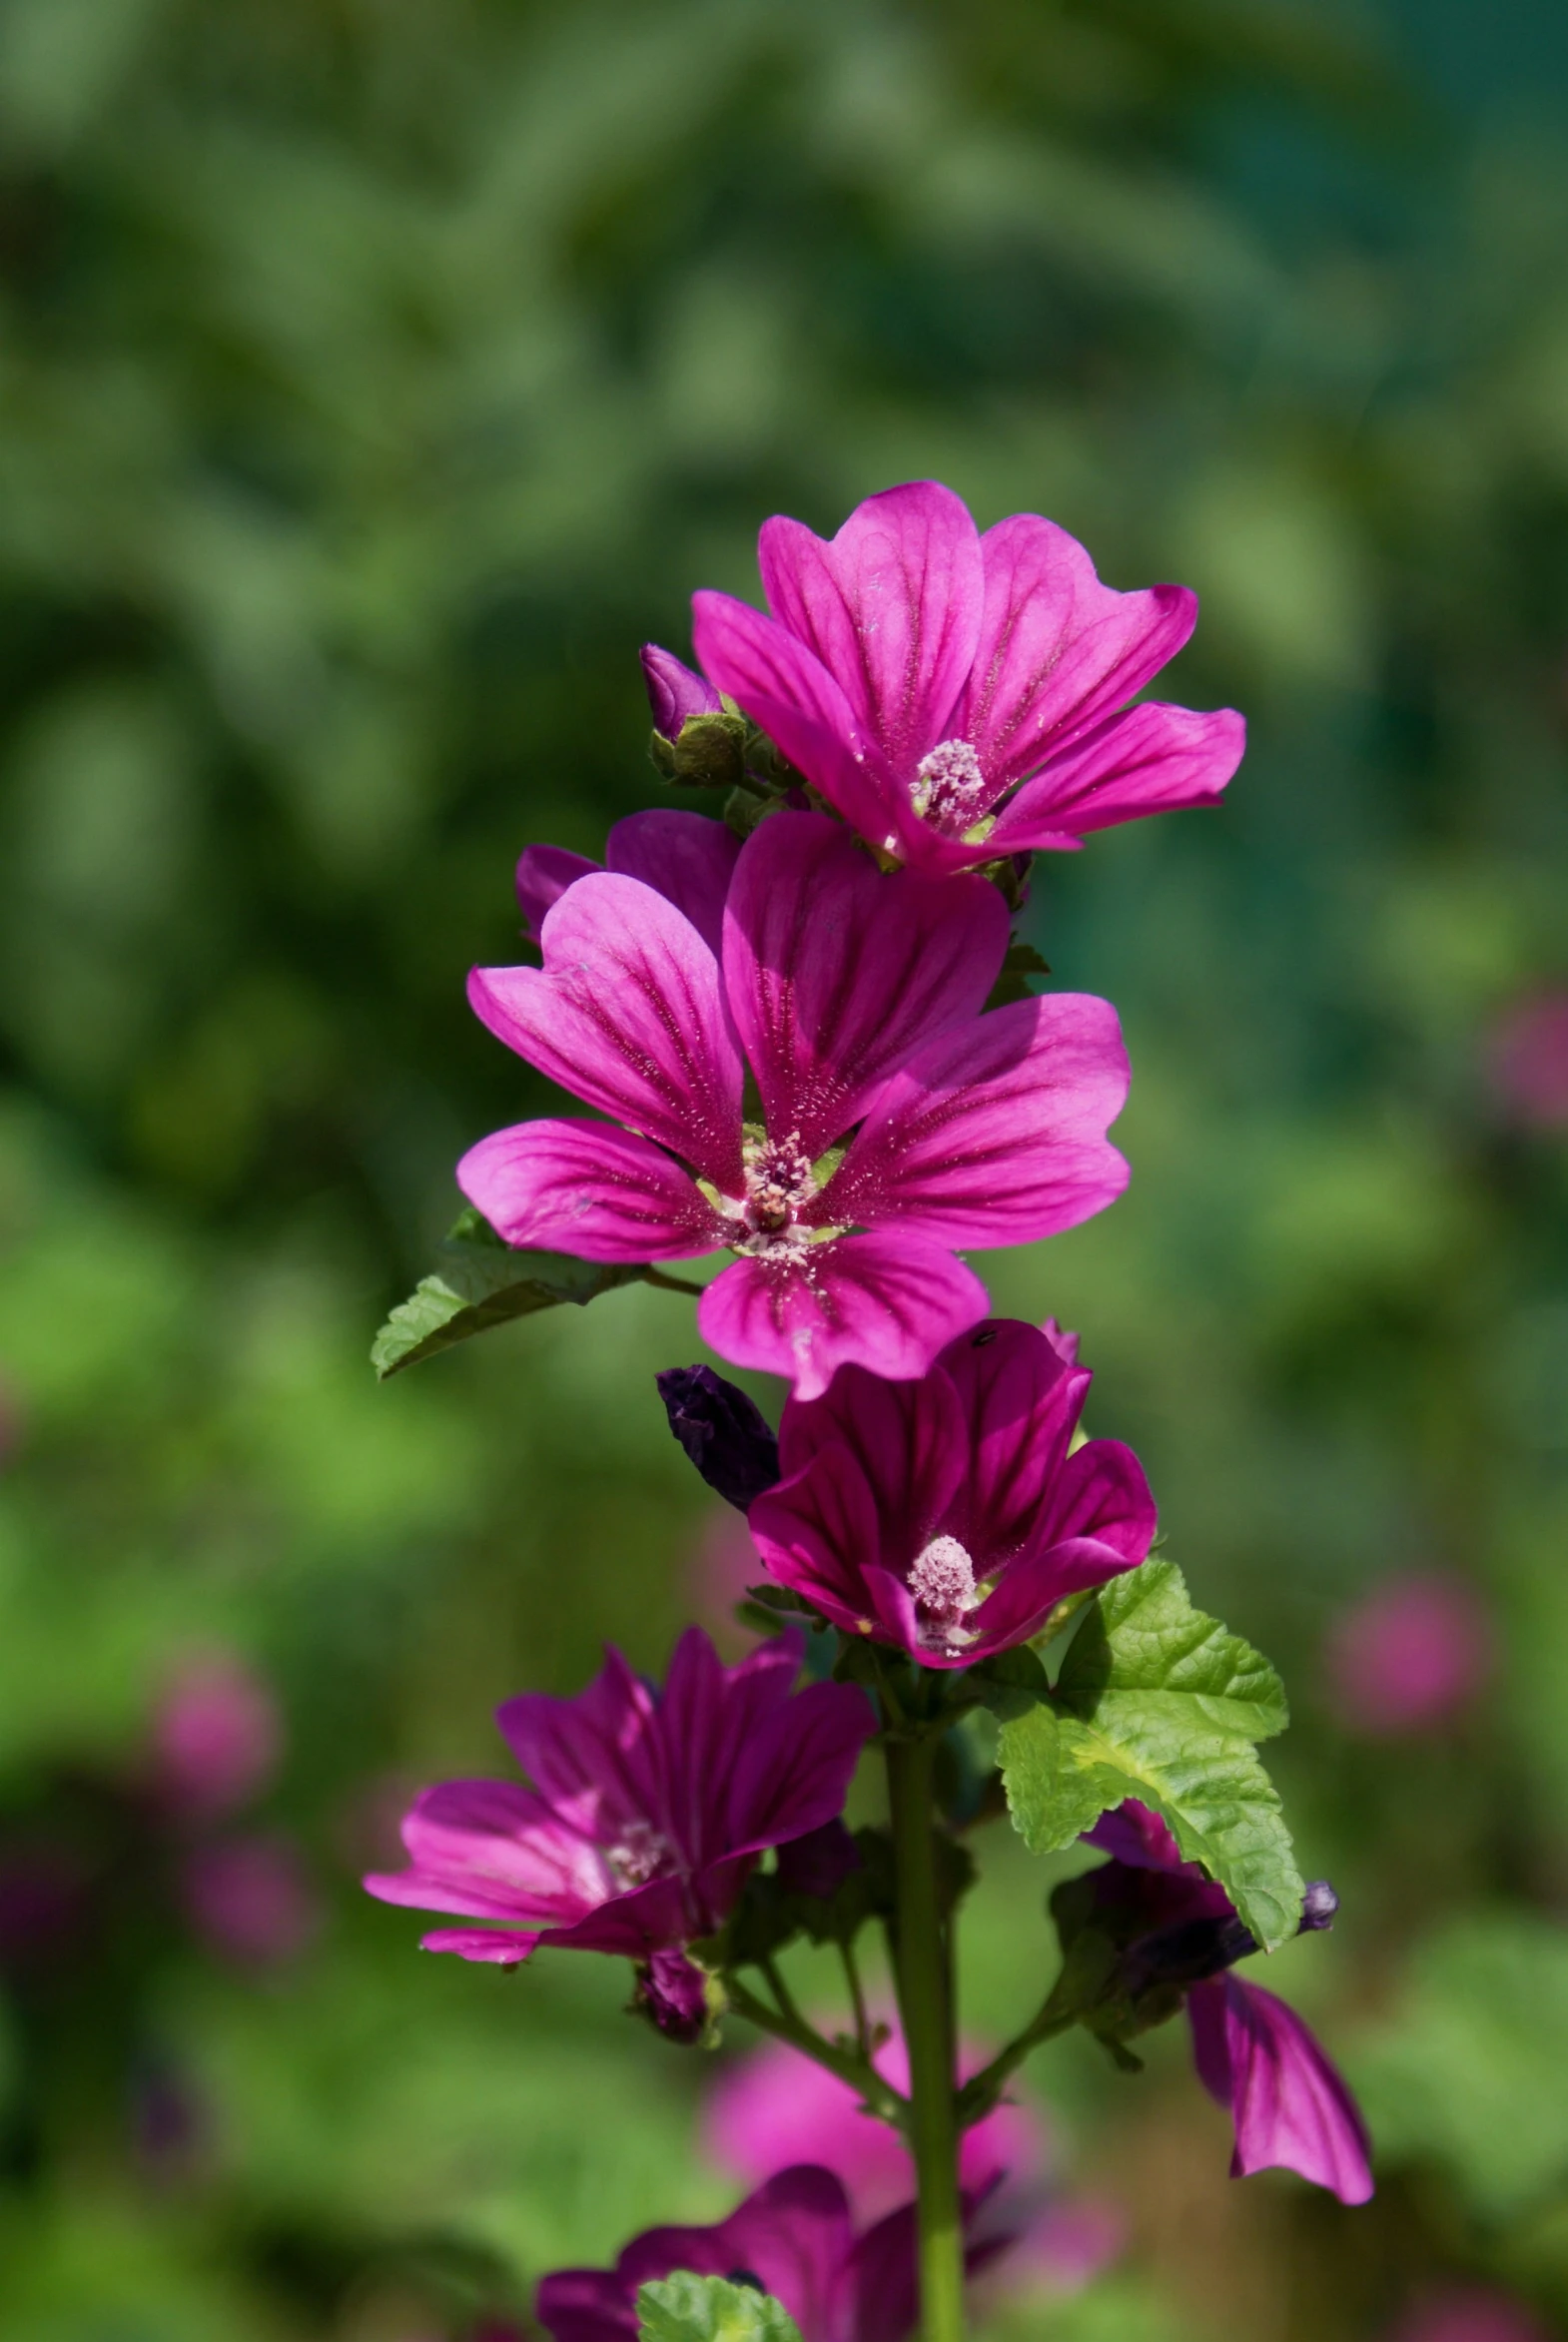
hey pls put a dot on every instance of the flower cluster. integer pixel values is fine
(806, 1039)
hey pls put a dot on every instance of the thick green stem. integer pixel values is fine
(924, 1999)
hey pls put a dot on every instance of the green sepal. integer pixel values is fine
(479, 1281)
(1158, 1701)
(710, 754)
(687, 2308)
(1012, 984)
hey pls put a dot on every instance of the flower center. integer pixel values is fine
(639, 1853)
(941, 1580)
(778, 1186)
(950, 788)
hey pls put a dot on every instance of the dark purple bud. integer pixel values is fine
(723, 1433)
(673, 1991)
(674, 692)
(818, 1862)
(1186, 1954)
(1319, 1907)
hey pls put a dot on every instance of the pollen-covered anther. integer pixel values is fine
(639, 1853)
(950, 788)
(941, 1580)
(778, 1186)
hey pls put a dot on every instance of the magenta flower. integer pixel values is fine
(897, 1123)
(947, 1516)
(796, 2238)
(1289, 2105)
(249, 1899)
(960, 697)
(684, 857)
(1410, 1656)
(217, 1737)
(647, 1811)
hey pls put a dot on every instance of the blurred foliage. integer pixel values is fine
(373, 377)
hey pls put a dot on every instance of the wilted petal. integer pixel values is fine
(793, 698)
(892, 606)
(544, 875)
(627, 1015)
(1152, 759)
(673, 1991)
(993, 1134)
(685, 857)
(589, 1190)
(887, 1300)
(674, 692)
(1289, 2105)
(1058, 650)
(837, 972)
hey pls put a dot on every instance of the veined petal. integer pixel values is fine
(993, 1134)
(597, 1757)
(886, 1300)
(627, 1014)
(544, 875)
(1101, 1492)
(1152, 759)
(1031, 1588)
(795, 2235)
(688, 858)
(908, 1446)
(794, 699)
(589, 1190)
(490, 1849)
(1057, 649)
(706, 1716)
(502, 1947)
(837, 972)
(1289, 2105)
(890, 605)
(813, 1528)
(793, 1773)
(1017, 1407)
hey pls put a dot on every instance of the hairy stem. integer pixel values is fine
(786, 2023)
(924, 1999)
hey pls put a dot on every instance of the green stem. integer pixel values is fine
(787, 2025)
(921, 1969)
(857, 1998)
(671, 1284)
(983, 2089)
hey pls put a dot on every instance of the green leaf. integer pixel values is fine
(1012, 984)
(480, 1283)
(1158, 1701)
(684, 2308)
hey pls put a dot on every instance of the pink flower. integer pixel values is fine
(217, 1737)
(774, 2108)
(960, 697)
(647, 1811)
(250, 1899)
(796, 2238)
(947, 1516)
(1289, 2105)
(897, 1123)
(1410, 1656)
(685, 857)
(1529, 1061)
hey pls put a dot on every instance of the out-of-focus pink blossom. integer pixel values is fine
(250, 1899)
(217, 1737)
(774, 2108)
(898, 1125)
(1469, 2313)
(1410, 1656)
(647, 1813)
(723, 1565)
(949, 1516)
(1527, 1058)
(959, 697)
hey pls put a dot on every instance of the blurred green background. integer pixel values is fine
(375, 376)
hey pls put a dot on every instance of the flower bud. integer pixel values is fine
(723, 1433)
(674, 692)
(672, 1992)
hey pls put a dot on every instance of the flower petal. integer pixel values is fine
(794, 2234)
(1289, 2105)
(1102, 1493)
(1018, 1406)
(706, 1716)
(813, 1529)
(908, 1445)
(837, 972)
(794, 1771)
(674, 692)
(627, 1015)
(892, 606)
(993, 1134)
(1058, 650)
(1031, 1588)
(586, 2305)
(544, 875)
(1152, 759)
(688, 858)
(490, 1849)
(597, 1757)
(589, 1190)
(794, 699)
(503, 1947)
(885, 1300)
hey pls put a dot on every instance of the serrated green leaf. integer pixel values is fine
(479, 1282)
(686, 2309)
(1158, 1702)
